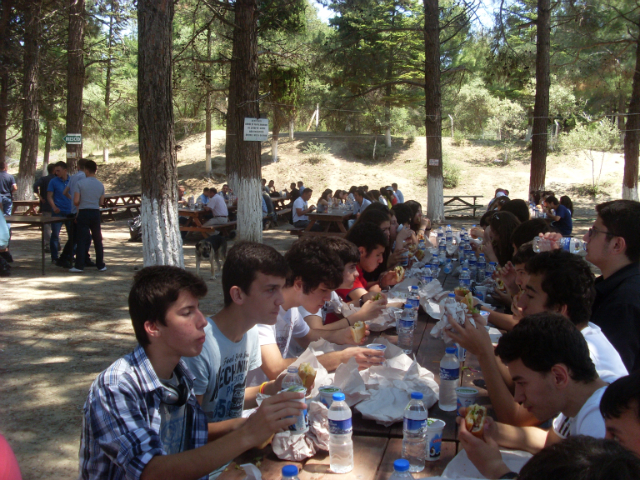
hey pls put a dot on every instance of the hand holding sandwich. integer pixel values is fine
(484, 452)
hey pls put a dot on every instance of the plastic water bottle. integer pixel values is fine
(473, 270)
(481, 267)
(406, 326)
(465, 278)
(414, 300)
(290, 472)
(414, 432)
(449, 380)
(572, 245)
(491, 267)
(291, 378)
(449, 235)
(450, 300)
(448, 266)
(461, 251)
(401, 470)
(435, 268)
(427, 274)
(340, 431)
(467, 249)
(422, 247)
(442, 251)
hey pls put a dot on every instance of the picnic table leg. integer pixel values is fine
(341, 227)
(311, 224)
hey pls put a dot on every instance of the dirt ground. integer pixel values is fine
(59, 331)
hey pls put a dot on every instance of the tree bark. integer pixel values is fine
(5, 37)
(31, 114)
(539, 140)
(631, 137)
(292, 124)
(433, 107)
(207, 162)
(75, 79)
(161, 242)
(47, 147)
(243, 158)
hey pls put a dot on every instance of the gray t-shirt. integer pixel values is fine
(73, 187)
(90, 189)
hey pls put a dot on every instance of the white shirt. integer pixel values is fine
(329, 307)
(360, 208)
(399, 196)
(218, 206)
(383, 201)
(605, 357)
(299, 204)
(588, 421)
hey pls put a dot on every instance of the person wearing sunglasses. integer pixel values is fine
(613, 245)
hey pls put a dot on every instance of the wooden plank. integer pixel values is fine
(431, 469)
(368, 428)
(367, 455)
(270, 464)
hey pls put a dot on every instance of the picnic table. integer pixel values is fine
(122, 199)
(462, 205)
(35, 220)
(333, 224)
(376, 447)
(196, 220)
(32, 207)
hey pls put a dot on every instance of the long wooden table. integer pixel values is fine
(122, 199)
(32, 207)
(333, 223)
(196, 220)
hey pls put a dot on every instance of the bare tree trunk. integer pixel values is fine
(31, 114)
(5, 36)
(292, 123)
(433, 107)
(107, 84)
(631, 138)
(541, 106)
(243, 158)
(207, 141)
(161, 242)
(75, 79)
(47, 147)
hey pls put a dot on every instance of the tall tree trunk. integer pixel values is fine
(75, 79)
(107, 83)
(207, 146)
(31, 114)
(47, 147)
(433, 107)
(161, 242)
(5, 37)
(292, 124)
(631, 137)
(539, 140)
(243, 158)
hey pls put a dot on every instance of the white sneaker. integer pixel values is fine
(75, 270)
(103, 269)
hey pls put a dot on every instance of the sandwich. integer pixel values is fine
(308, 374)
(461, 291)
(376, 297)
(468, 298)
(419, 254)
(399, 273)
(358, 332)
(474, 420)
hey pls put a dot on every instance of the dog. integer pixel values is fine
(211, 249)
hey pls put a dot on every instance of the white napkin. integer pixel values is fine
(299, 447)
(350, 382)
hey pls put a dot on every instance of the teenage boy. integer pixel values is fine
(371, 243)
(204, 198)
(562, 217)
(548, 359)
(61, 207)
(613, 245)
(71, 247)
(301, 208)
(362, 201)
(620, 407)
(314, 271)
(88, 198)
(141, 418)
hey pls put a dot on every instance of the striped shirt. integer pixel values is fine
(122, 419)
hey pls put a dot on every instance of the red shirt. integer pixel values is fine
(360, 282)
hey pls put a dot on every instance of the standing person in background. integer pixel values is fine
(88, 198)
(562, 216)
(301, 187)
(40, 188)
(7, 187)
(61, 207)
(398, 194)
(70, 248)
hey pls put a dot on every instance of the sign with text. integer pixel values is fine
(73, 138)
(434, 162)
(256, 129)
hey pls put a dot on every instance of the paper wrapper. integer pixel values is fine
(459, 312)
(322, 376)
(462, 468)
(300, 447)
(252, 472)
(350, 382)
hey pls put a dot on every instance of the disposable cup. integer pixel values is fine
(434, 438)
(466, 397)
(481, 292)
(377, 346)
(302, 421)
(326, 394)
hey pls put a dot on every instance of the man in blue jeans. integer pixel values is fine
(61, 206)
(88, 198)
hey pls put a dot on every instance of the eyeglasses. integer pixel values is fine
(594, 229)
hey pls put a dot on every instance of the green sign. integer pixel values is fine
(73, 138)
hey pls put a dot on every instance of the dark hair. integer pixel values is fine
(293, 185)
(622, 219)
(346, 250)
(353, 189)
(402, 212)
(153, 292)
(415, 208)
(306, 190)
(524, 254)
(214, 190)
(90, 166)
(61, 164)
(566, 201)
(552, 200)
(582, 458)
(500, 202)
(567, 280)
(82, 162)
(546, 193)
(50, 168)
(206, 189)
(518, 207)
(486, 217)
(621, 395)
(546, 339)
(3, 164)
(373, 215)
(367, 235)
(536, 196)
(502, 225)
(527, 231)
(244, 261)
(394, 185)
(360, 192)
(374, 195)
(311, 260)
(325, 193)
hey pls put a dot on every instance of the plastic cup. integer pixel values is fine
(481, 292)
(434, 438)
(326, 394)
(377, 346)
(302, 421)
(467, 396)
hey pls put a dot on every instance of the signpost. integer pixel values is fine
(256, 129)
(73, 138)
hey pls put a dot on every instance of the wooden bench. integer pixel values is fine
(296, 231)
(284, 211)
(106, 213)
(462, 206)
(210, 230)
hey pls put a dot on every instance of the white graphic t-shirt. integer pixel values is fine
(588, 421)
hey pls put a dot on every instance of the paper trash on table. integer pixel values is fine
(300, 447)
(252, 472)
(462, 468)
(350, 382)
(322, 376)
(459, 312)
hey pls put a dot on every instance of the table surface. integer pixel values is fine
(32, 220)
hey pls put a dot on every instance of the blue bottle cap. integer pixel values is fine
(401, 465)
(452, 295)
(289, 471)
(417, 395)
(338, 397)
(409, 306)
(465, 268)
(447, 350)
(414, 287)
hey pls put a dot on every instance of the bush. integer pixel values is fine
(316, 149)
(451, 174)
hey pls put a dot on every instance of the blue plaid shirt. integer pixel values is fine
(121, 424)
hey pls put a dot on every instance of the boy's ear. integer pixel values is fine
(363, 251)
(237, 295)
(151, 327)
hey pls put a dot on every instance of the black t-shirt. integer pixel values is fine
(295, 193)
(40, 187)
(616, 311)
(6, 184)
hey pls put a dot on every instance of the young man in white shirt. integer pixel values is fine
(548, 359)
(301, 208)
(361, 202)
(218, 209)
(314, 272)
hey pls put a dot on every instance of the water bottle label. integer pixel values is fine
(449, 373)
(426, 279)
(340, 427)
(405, 323)
(465, 282)
(415, 425)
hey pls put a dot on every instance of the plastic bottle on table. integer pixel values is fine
(473, 270)
(572, 245)
(461, 251)
(465, 278)
(442, 250)
(467, 249)
(490, 268)
(422, 247)
(290, 472)
(406, 326)
(481, 267)
(448, 266)
(435, 267)
(414, 300)
(401, 470)
(427, 274)
(449, 380)
(340, 430)
(291, 378)
(414, 432)
(449, 235)
(450, 300)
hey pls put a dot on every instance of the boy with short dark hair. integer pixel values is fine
(61, 207)
(141, 418)
(620, 407)
(562, 216)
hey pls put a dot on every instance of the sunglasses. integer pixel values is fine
(593, 230)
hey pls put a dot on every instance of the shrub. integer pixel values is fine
(451, 174)
(316, 149)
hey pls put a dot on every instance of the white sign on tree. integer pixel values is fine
(256, 129)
